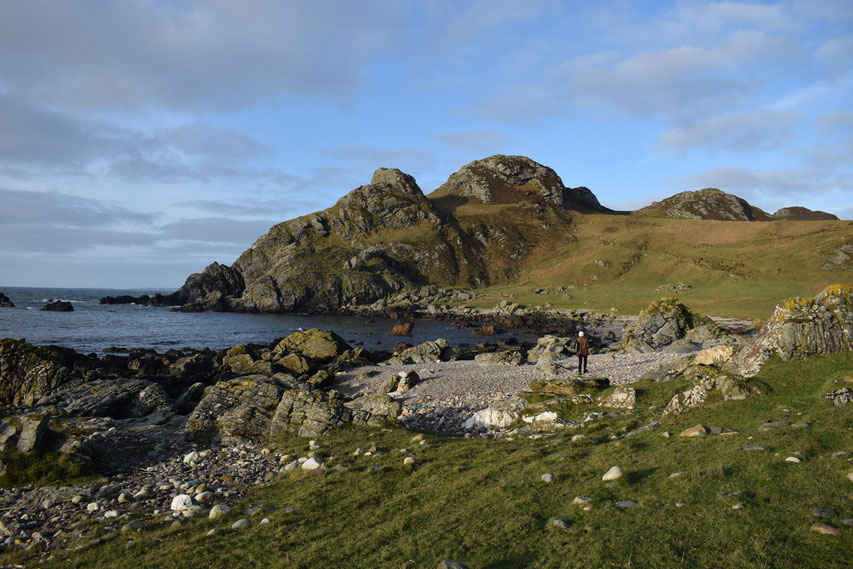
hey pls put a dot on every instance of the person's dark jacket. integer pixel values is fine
(583, 346)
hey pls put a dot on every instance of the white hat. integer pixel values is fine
(580, 333)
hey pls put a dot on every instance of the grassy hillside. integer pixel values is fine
(483, 502)
(732, 268)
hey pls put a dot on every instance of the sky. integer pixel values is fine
(142, 140)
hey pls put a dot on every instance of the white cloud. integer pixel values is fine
(764, 129)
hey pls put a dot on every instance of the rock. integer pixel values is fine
(582, 501)
(547, 477)
(623, 397)
(28, 373)
(500, 414)
(560, 524)
(220, 511)
(428, 352)
(312, 464)
(840, 397)
(118, 398)
(568, 387)
(626, 504)
(798, 213)
(316, 345)
(58, 306)
(446, 564)
(8, 435)
(133, 525)
(824, 528)
(615, 473)
(753, 447)
(696, 431)
(313, 414)
(5, 301)
(402, 329)
(505, 358)
(196, 365)
(191, 457)
(824, 513)
(709, 203)
(236, 409)
(183, 503)
(33, 429)
(659, 325)
(189, 399)
(407, 380)
(800, 327)
(409, 461)
(708, 380)
(151, 398)
(549, 348)
(716, 356)
(240, 524)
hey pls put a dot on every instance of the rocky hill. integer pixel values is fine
(502, 221)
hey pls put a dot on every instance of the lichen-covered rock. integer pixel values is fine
(659, 325)
(500, 414)
(623, 397)
(709, 203)
(317, 345)
(311, 414)
(196, 365)
(152, 398)
(729, 386)
(236, 409)
(549, 348)
(241, 361)
(716, 356)
(117, 398)
(841, 397)
(800, 327)
(428, 352)
(29, 372)
(504, 358)
(33, 428)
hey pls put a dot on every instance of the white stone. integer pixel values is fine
(582, 500)
(220, 511)
(578, 438)
(93, 507)
(182, 502)
(793, 459)
(265, 521)
(291, 466)
(191, 457)
(239, 524)
(548, 477)
(409, 460)
(615, 473)
(111, 514)
(545, 417)
(204, 497)
(311, 464)
(850, 476)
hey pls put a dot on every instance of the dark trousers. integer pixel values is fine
(581, 364)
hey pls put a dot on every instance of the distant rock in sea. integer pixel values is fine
(5, 301)
(58, 306)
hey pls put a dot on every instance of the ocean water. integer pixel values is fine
(93, 327)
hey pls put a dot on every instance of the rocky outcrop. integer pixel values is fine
(319, 346)
(710, 381)
(29, 372)
(503, 179)
(660, 324)
(800, 327)
(709, 203)
(428, 352)
(798, 213)
(5, 301)
(119, 398)
(310, 414)
(58, 306)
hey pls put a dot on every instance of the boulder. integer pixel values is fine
(316, 345)
(716, 356)
(800, 327)
(33, 428)
(29, 372)
(311, 414)
(151, 398)
(840, 397)
(236, 409)
(189, 398)
(58, 306)
(550, 348)
(500, 414)
(504, 358)
(196, 365)
(117, 398)
(402, 329)
(242, 361)
(659, 325)
(428, 352)
(623, 397)
(401, 381)
(8, 435)
(707, 380)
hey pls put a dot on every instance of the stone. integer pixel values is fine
(623, 397)
(708, 380)
(549, 348)
(753, 447)
(716, 356)
(708, 203)
(220, 511)
(800, 327)
(407, 380)
(824, 528)
(793, 459)
(134, 525)
(504, 358)
(311, 464)
(182, 503)
(58, 306)
(428, 352)
(568, 387)
(840, 397)
(695, 431)
(547, 477)
(659, 325)
(500, 414)
(560, 524)
(582, 500)
(447, 564)
(240, 524)
(850, 476)
(403, 328)
(191, 457)
(824, 513)
(29, 373)
(188, 400)
(316, 345)
(33, 428)
(8, 435)
(409, 461)
(626, 503)
(615, 473)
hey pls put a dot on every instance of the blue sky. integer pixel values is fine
(141, 140)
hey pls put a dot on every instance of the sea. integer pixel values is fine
(96, 328)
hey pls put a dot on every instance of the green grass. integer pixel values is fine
(482, 501)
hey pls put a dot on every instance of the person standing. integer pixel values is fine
(582, 352)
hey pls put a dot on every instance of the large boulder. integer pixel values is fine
(800, 327)
(662, 323)
(33, 428)
(118, 398)
(428, 352)
(58, 306)
(317, 345)
(549, 348)
(313, 413)
(236, 409)
(29, 372)
(500, 414)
